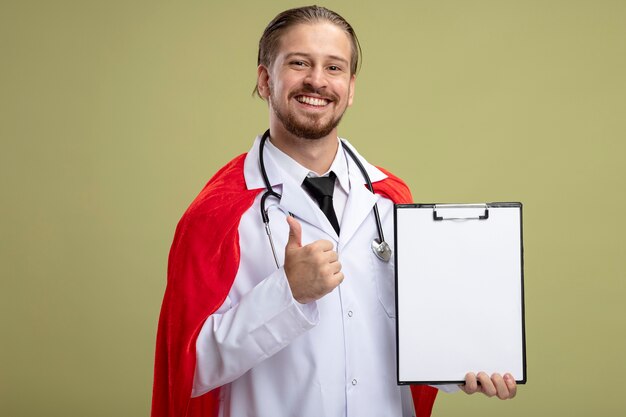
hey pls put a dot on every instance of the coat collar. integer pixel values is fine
(252, 170)
(285, 175)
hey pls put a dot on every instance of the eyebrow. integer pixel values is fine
(305, 55)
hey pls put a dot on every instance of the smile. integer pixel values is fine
(313, 101)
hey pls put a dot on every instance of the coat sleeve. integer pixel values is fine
(238, 337)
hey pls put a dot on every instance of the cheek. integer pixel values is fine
(276, 88)
(347, 94)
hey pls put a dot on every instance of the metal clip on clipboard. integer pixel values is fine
(453, 210)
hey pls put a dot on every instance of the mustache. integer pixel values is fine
(318, 92)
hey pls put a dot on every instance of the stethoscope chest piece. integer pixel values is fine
(381, 250)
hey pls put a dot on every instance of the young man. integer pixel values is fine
(304, 325)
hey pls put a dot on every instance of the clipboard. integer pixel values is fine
(459, 291)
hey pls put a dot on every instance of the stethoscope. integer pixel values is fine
(380, 248)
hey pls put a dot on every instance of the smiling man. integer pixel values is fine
(296, 319)
(309, 88)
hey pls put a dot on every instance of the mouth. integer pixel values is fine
(312, 101)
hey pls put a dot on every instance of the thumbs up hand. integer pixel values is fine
(312, 270)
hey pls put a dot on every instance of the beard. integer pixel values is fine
(311, 127)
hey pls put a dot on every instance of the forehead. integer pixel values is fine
(321, 40)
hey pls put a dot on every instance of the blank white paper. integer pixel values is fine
(459, 294)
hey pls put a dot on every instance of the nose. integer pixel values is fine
(316, 78)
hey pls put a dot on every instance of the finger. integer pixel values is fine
(295, 233)
(331, 256)
(323, 246)
(332, 282)
(471, 384)
(511, 385)
(486, 386)
(335, 267)
(502, 391)
(338, 277)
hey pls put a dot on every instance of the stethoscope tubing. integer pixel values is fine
(269, 192)
(370, 187)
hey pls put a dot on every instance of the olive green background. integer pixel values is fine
(115, 113)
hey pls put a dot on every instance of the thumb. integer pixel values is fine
(295, 233)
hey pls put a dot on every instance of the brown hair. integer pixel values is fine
(268, 44)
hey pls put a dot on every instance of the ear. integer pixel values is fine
(263, 81)
(351, 93)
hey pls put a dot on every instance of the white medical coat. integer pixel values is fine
(334, 357)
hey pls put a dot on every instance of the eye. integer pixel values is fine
(297, 63)
(335, 69)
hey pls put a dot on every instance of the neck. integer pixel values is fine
(316, 155)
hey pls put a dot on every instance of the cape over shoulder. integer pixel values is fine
(393, 188)
(202, 266)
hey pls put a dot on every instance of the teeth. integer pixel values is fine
(312, 101)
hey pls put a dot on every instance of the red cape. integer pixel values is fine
(199, 277)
